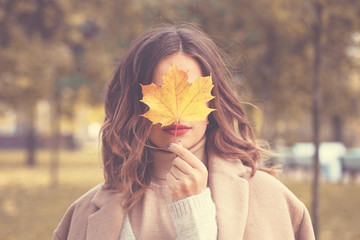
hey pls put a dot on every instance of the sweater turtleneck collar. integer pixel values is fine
(163, 159)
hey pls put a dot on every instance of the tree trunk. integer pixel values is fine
(55, 141)
(337, 128)
(31, 137)
(317, 32)
(268, 70)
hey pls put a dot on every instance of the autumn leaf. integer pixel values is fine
(177, 99)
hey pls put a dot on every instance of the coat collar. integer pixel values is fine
(106, 222)
(229, 190)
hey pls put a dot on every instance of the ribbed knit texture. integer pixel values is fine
(194, 218)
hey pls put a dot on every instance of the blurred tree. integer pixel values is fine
(27, 66)
(93, 39)
(340, 101)
(62, 51)
(317, 34)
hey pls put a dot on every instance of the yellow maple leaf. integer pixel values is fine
(177, 99)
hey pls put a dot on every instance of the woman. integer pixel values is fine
(207, 186)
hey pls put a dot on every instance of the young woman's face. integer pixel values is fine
(189, 133)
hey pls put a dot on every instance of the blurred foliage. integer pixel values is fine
(30, 209)
(68, 49)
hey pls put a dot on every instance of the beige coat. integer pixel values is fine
(258, 207)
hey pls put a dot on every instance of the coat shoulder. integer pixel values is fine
(77, 214)
(268, 184)
(89, 195)
(279, 201)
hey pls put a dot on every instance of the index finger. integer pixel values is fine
(186, 155)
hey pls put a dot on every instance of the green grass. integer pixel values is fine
(30, 209)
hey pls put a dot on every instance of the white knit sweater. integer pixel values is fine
(193, 218)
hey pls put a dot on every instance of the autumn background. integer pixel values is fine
(56, 56)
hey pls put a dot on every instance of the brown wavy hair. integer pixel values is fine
(127, 162)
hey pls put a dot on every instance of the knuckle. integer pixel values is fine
(192, 176)
(197, 178)
(186, 185)
(186, 182)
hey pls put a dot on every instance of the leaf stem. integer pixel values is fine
(176, 127)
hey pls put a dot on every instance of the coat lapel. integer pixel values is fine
(106, 222)
(230, 192)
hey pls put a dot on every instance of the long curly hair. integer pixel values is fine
(126, 154)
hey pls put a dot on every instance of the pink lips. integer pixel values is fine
(180, 130)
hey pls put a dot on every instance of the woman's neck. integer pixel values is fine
(163, 159)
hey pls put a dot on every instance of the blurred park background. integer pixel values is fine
(56, 56)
